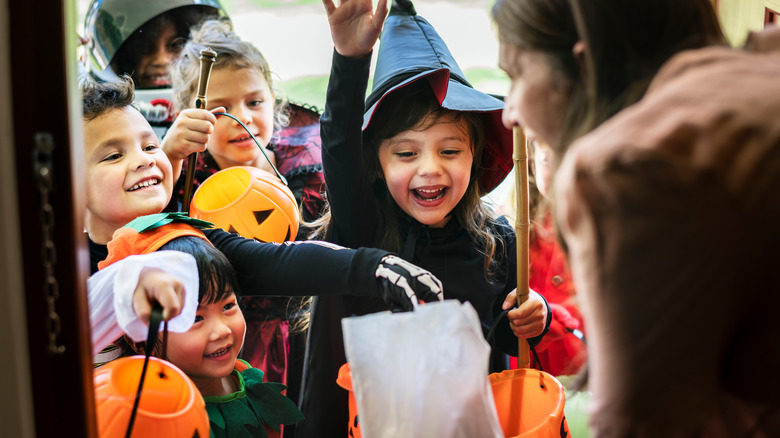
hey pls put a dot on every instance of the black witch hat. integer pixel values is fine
(410, 49)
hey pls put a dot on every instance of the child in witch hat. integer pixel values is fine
(237, 401)
(408, 176)
(128, 175)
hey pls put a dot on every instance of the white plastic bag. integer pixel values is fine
(421, 373)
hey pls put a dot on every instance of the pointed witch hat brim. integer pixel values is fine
(410, 49)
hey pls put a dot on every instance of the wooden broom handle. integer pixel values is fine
(207, 58)
(522, 227)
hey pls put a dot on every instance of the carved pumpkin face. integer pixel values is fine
(247, 201)
(170, 405)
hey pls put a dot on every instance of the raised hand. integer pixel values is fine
(354, 25)
(403, 284)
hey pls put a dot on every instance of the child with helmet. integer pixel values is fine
(142, 39)
(409, 175)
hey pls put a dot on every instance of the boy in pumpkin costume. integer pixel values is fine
(239, 404)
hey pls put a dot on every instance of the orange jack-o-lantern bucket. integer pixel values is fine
(170, 404)
(247, 201)
(344, 380)
(529, 404)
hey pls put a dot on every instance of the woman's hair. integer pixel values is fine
(216, 276)
(143, 41)
(233, 54)
(546, 26)
(98, 98)
(415, 107)
(626, 42)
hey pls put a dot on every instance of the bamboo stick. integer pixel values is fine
(522, 227)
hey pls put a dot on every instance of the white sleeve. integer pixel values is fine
(111, 296)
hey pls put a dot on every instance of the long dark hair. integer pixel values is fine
(628, 42)
(416, 107)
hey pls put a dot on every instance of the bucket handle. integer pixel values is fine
(492, 334)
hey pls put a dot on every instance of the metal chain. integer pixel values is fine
(43, 163)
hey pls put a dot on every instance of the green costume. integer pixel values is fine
(253, 409)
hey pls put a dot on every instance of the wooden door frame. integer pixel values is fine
(45, 104)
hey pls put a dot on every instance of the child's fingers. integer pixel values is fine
(510, 300)
(141, 304)
(155, 285)
(171, 298)
(528, 329)
(197, 136)
(381, 13)
(529, 318)
(205, 124)
(330, 7)
(219, 109)
(190, 115)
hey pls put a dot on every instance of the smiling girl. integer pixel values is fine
(406, 170)
(241, 84)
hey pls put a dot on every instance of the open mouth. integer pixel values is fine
(144, 184)
(429, 195)
(157, 80)
(219, 353)
(242, 139)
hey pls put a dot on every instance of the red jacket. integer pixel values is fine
(560, 351)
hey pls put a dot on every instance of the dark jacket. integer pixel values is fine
(447, 252)
(291, 268)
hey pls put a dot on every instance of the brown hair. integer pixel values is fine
(232, 53)
(98, 98)
(626, 43)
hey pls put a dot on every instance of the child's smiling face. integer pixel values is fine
(246, 95)
(207, 352)
(428, 171)
(127, 173)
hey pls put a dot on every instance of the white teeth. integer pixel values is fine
(218, 353)
(429, 194)
(147, 183)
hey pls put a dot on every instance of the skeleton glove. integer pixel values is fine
(403, 284)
